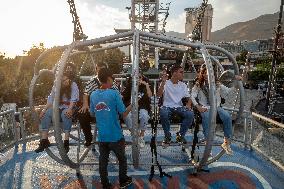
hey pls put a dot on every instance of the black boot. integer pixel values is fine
(43, 143)
(66, 145)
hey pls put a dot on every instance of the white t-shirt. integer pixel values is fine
(173, 93)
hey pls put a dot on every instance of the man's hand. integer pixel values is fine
(164, 76)
(41, 114)
(69, 112)
(201, 109)
(238, 78)
(84, 109)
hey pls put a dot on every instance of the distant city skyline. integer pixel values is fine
(28, 22)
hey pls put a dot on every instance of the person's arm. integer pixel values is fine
(91, 86)
(149, 92)
(121, 107)
(161, 89)
(128, 109)
(194, 95)
(162, 85)
(73, 100)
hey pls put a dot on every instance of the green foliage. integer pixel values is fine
(258, 75)
(242, 56)
(16, 73)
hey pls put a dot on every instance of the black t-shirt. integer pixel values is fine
(144, 101)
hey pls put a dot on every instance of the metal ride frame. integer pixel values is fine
(136, 38)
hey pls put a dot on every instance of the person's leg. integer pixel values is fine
(119, 149)
(165, 114)
(84, 120)
(128, 121)
(187, 119)
(227, 128)
(44, 126)
(144, 119)
(103, 162)
(67, 124)
(205, 123)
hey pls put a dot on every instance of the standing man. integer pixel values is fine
(173, 92)
(105, 105)
(84, 113)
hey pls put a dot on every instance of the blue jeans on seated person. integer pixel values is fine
(184, 112)
(46, 120)
(224, 116)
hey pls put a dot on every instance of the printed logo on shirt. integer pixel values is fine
(102, 106)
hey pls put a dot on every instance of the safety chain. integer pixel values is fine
(78, 31)
(197, 32)
(275, 56)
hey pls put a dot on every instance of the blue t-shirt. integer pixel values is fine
(105, 106)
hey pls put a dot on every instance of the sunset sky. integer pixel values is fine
(28, 22)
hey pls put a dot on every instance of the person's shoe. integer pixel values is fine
(227, 148)
(166, 142)
(141, 142)
(88, 143)
(43, 143)
(180, 139)
(126, 183)
(66, 146)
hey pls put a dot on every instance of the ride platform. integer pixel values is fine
(21, 167)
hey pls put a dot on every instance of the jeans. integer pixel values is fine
(46, 120)
(224, 116)
(143, 118)
(185, 113)
(85, 123)
(119, 150)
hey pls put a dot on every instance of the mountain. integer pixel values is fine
(258, 28)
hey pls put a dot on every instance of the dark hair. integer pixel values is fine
(175, 68)
(102, 64)
(103, 75)
(70, 71)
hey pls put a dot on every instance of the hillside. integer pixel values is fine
(258, 28)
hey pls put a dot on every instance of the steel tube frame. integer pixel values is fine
(134, 99)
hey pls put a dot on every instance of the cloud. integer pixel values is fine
(176, 24)
(100, 20)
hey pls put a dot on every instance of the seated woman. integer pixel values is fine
(144, 105)
(200, 91)
(69, 95)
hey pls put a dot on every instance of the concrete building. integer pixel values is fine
(191, 19)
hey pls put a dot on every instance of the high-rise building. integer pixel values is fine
(191, 20)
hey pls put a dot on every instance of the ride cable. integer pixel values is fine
(197, 31)
(78, 31)
(153, 145)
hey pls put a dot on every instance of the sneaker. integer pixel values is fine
(180, 139)
(166, 142)
(126, 183)
(141, 142)
(88, 143)
(43, 143)
(227, 148)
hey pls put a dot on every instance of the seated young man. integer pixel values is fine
(105, 105)
(173, 91)
(84, 115)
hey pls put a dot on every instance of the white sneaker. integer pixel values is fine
(141, 142)
(227, 148)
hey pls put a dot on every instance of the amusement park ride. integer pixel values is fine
(146, 37)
